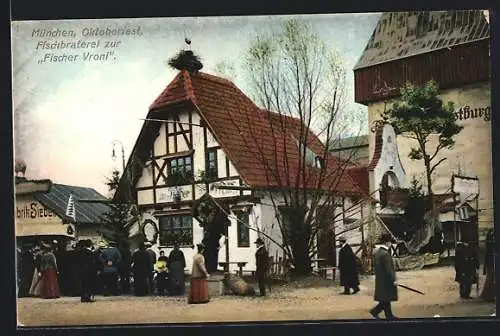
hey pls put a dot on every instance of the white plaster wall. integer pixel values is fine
(471, 155)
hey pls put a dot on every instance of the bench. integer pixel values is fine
(323, 271)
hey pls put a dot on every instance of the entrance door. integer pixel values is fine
(326, 237)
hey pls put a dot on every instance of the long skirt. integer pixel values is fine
(50, 285)
(199, 291)
(488, 293)
(36, 284)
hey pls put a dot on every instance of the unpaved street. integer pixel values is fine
(284, 303)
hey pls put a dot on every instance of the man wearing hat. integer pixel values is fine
(152, 256)
(261, 261)
(348, 267)
(110, 259)
(386, 290)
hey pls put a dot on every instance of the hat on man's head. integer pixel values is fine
(200, 246)
(259, 241)
(342, 239)
(148, 244)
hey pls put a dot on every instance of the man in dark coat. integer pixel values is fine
(110, 258)
(466, 266)
(88, 269)
(152, 255)
(348, 267)
(176, 264)
(141, 268)
(386, 290)
(261, 261)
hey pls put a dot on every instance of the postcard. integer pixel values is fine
(253, 168)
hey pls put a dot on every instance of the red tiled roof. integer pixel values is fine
(360, 175)
(260, 146)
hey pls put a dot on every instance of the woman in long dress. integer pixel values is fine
(48, 272)
(36, 282)
(199, 285)
(176, 264)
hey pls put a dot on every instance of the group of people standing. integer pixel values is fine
(467, 266)
(52, 270)
(42, 278)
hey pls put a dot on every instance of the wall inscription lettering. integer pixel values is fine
(468, 112)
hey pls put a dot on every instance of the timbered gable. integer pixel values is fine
(206, 130)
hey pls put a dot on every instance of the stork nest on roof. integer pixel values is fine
(186, 60)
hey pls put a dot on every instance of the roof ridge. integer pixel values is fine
(188, 85)
(166, 89)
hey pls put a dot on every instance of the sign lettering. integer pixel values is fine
(33, 211)
(467, 112)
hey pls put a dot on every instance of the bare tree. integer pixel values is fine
(293, 73)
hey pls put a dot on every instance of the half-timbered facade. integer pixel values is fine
(202, 136)
(452, 48)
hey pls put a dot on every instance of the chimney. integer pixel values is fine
(20, 168)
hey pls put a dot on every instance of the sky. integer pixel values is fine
(68, 110)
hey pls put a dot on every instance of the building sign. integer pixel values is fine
(467, 112)
(466, 185)
(174, 194)
(31, 211)
(216, 192)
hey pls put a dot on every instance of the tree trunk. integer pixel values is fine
(300, 248)
(430, 194)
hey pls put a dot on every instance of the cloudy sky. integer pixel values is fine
(67, 114)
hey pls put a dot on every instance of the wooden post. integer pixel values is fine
(226, 268)
(455, 232)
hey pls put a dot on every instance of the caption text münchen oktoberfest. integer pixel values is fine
(88, 32)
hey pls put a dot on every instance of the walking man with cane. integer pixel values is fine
(386, 290)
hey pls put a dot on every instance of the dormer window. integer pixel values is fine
(319, 162)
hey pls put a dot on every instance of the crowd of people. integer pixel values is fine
(52, 270)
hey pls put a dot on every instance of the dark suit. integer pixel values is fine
(348, 268)
(261, 261)
(87, 274)
(151, 286)
(466, 264)
(385, 289)
(141, 268)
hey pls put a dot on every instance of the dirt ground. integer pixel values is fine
(283, 303)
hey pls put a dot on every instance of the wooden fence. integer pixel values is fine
(279, 269)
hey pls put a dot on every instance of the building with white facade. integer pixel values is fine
(203, 136)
